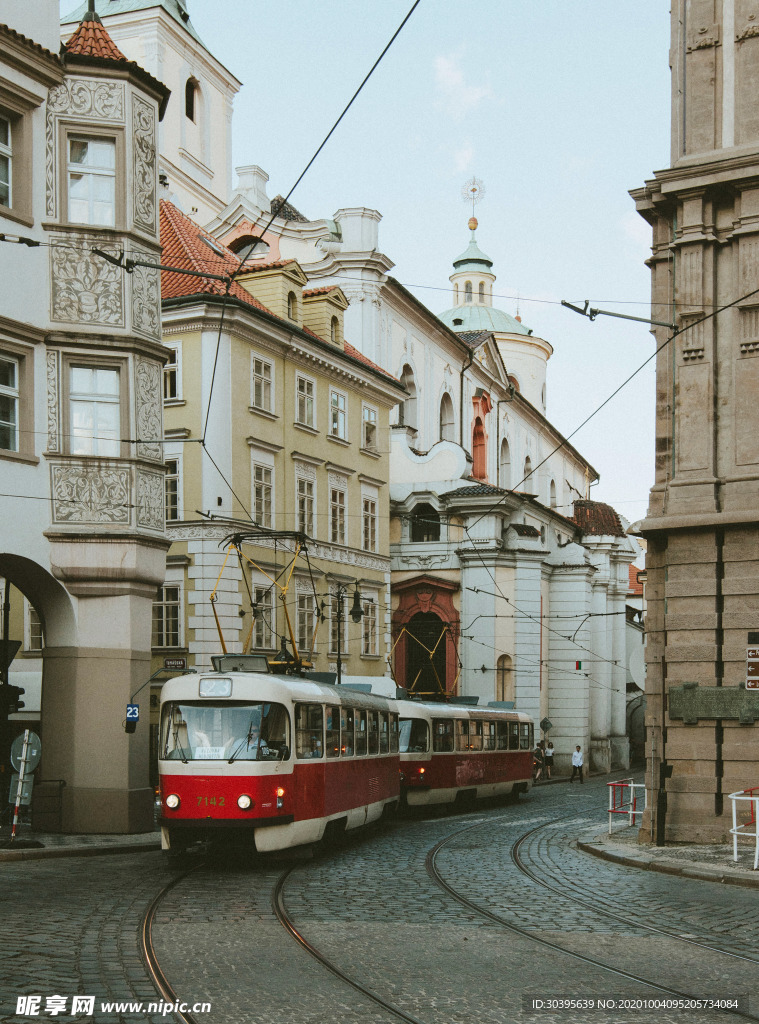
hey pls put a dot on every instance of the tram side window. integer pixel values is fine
(531, 743)
(488, 730)
(415, 736)
(525, 738)
(333, 732)
(475, 735)
(503, 735)
(346, 731)
(384, 736)
(462, 734)
(442, 735)
(513, 735)
(360, 732)
(309, 735)
(393, 734)
(373, 732)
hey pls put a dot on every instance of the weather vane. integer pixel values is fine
(473, 191)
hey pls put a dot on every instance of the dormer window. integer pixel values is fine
(467, 291)
(189, 98)
(292, 306)
(334, 330)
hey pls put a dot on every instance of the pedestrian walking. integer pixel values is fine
(548, 757)
(576, 763)
(537, 763)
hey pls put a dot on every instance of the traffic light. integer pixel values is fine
(10, 699)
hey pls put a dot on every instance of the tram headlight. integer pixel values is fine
(172, 801)
(244, 802)
(280, 796)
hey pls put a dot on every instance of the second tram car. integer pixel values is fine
(450, 751)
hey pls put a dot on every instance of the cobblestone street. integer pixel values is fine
(374, 907)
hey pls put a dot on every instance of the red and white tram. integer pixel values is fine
(449, 751)
(278, 757)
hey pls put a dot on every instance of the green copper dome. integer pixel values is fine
(477, 317)
(473, 258)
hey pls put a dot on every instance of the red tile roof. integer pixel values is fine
(91, 39)
(187, 246)
(597, 519)
(319, 291)
(636, 587)
(18, 37)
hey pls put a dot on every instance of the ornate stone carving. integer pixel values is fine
(143, 142)
(52, 401)
(146, 299)
(85, 289)
(150, 501)
(338, 481)
(90, 493)
(305, 471)
(148, 408)
(703, 36)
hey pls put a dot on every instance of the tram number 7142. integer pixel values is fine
(210, 801)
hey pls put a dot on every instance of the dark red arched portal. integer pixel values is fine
(425, 634)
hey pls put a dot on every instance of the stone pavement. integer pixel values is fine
(56, 844)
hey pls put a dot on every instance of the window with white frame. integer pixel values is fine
(91, 180)
(263, 378)
(264, 633)
(305, 506)
(172, 376)
(369, 514)
(263, 489)
(369, 640)
(304, 622)
(338, 418)
(167, 616)
(6, 155)
(172, 488)
(35, 639)
(337, 515)
(304, 409)
(95, 411)
(369, 428)
(9, 402)
(334, 619)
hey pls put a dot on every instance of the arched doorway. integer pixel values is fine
(425, 655)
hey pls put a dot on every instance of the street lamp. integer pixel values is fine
(357, 613)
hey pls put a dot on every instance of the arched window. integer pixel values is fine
(447, 425)
(482, 291)
(334, 330)
(292, 306)
(425, 523)
(467, 291)
(479, 451)
(553, 494)
(504, 678)
(527, 470)
(504, 465)
(190, 89)
(407, 412)
(455, 295)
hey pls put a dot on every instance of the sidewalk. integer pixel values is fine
(67, 845)
(709, 863)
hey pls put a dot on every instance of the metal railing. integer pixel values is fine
(751, 797)
(623, 800)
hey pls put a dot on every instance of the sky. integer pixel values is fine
(558, 107)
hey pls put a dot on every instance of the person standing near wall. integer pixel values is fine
(577, 764)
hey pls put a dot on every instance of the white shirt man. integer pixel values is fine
(577, 764)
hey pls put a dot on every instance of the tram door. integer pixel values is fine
(425, 671)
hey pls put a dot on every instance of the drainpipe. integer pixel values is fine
(464, 368)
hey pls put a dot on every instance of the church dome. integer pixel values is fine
(474, 317)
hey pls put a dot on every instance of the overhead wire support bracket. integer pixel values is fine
(591, 313)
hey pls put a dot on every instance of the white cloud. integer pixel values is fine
(463, 157)
(456, 96)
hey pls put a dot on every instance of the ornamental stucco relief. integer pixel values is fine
(146, 307)
(51, 373)
(143, 142)
(150, 501)
(148, 403)
(85, 289)
(90, 494)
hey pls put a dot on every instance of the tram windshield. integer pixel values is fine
(414, 736)
(254, 731)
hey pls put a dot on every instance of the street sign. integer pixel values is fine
(752, 668)
(33, 752)
(175, 664)
(26, 791)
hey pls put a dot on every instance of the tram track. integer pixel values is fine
(435, 874)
